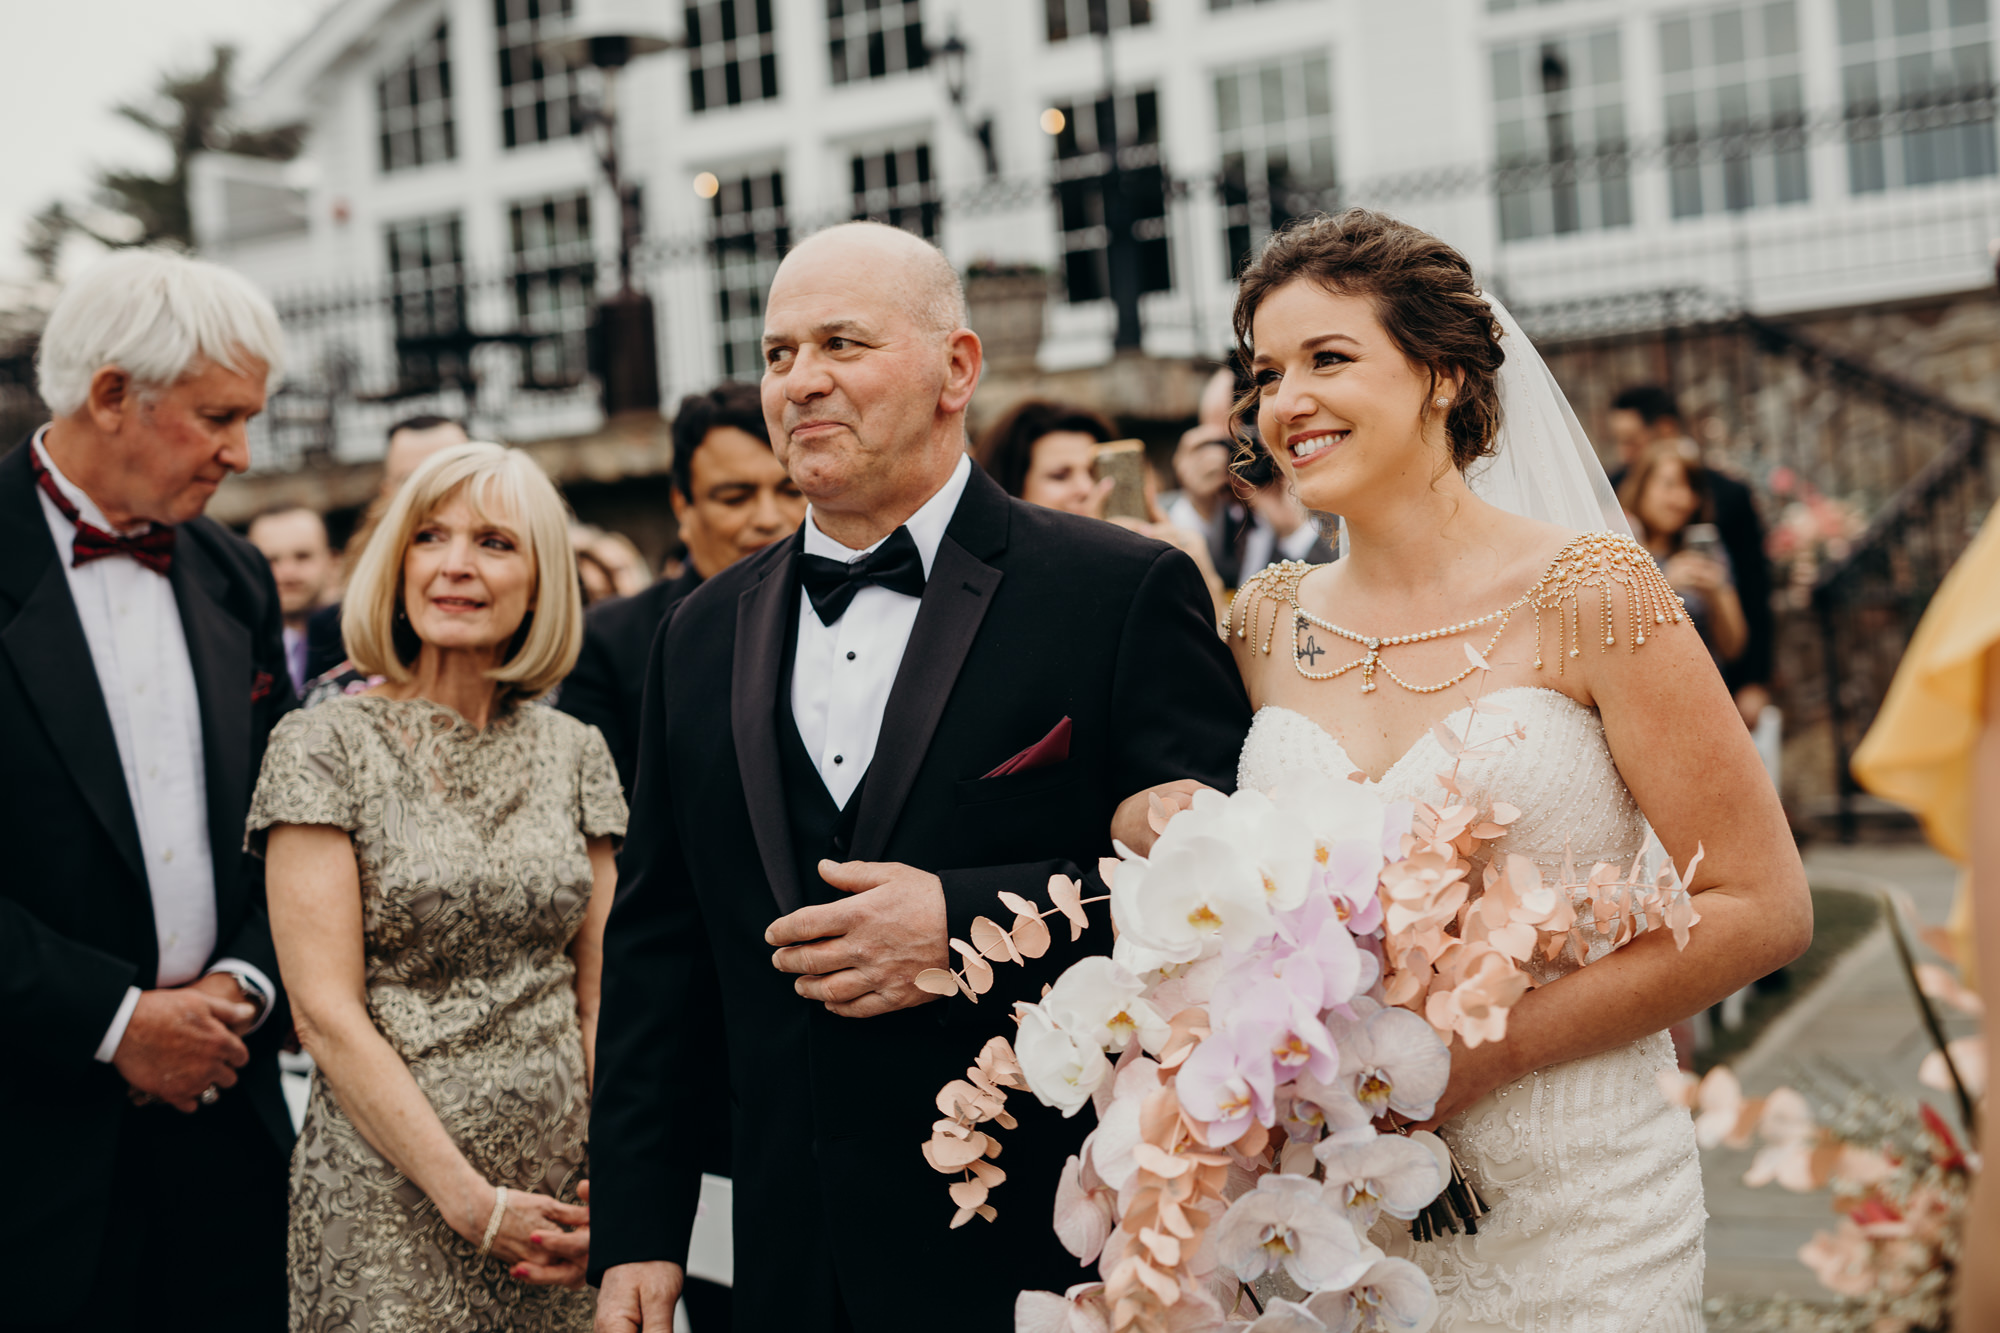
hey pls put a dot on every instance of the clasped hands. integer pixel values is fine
(860, 956)
(541, 1240)
(182, 1041)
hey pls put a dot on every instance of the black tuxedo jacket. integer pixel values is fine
(609, 682)
(76, 915)
(1029, 616)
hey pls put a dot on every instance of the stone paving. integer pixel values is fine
(1861, 1014)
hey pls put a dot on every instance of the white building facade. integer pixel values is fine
(449, 228)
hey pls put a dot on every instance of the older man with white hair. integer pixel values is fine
(141, 669)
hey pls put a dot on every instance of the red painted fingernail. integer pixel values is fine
(520, 1270)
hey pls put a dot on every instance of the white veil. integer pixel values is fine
(1544, 466)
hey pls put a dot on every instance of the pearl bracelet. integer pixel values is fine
(493, 1222)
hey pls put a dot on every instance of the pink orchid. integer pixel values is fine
(1228, 1082)
(1287, 1223)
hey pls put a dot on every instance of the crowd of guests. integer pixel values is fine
(436, 856)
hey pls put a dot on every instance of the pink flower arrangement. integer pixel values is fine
(1288, 971)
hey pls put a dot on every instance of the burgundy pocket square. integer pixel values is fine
(260, 686)
(1050, 749)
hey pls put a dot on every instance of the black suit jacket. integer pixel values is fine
(609, 682)
(1029, 616)
(76, 916)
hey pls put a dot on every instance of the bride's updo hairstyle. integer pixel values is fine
(1423, 293)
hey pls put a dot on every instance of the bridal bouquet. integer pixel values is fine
(1288, 971)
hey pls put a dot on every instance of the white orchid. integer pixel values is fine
(1200, 890)
(1385, 1174)
(1393, 1296)
(1098, 1000)
(1280, 841)
(1283, 1316)
(1061, 1067)
(1390, 1059)
(1286, 1222)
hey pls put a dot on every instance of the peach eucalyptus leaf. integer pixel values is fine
(1018, 905)
(936, 981)
(968, 1193)
(992, 941)
(1476, 658)
(1030, 935)
(1067, 895)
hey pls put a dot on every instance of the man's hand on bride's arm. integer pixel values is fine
(639, 1298)
(860, 956)
(1132, 823)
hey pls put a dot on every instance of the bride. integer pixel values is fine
(1475, 515)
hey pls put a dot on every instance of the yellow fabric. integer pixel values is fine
(1919, 752)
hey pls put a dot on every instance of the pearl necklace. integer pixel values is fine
(1371, 660)
(1594, 560)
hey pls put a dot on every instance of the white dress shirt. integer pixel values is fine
(842, 673)
(133, 626)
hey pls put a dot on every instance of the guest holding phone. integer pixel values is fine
(1667, 496)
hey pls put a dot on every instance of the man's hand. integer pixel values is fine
(223, 986)
(1132, 822)
(860, 957)
(182, 1042)
(639, 1298)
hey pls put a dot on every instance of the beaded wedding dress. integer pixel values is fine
(1595, 1188)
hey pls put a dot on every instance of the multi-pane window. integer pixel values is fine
(750, 236)
(1559, 128)
(555, 285)
(866, 39)
(895, 186)
(413, 101)
(1072, 18)
(1917, 82)
(1274, 124)
(427, 300)
(540, 98)
(1735, 108)
(1087, 176)
(1233, 4)
(732, 53)
(1501, 6)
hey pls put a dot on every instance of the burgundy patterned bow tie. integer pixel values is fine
(153, 548)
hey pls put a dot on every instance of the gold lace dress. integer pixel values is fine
(474, 880)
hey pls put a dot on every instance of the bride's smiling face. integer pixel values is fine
(1344, 411)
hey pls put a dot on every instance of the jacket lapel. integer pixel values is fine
(761, 617)
(44, 641)
(219, 651)
(956, 598)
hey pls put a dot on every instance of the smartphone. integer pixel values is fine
(1124, 461)
(1703, 539)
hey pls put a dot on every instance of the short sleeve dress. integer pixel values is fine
(474, 879)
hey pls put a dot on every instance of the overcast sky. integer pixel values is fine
(64, 64)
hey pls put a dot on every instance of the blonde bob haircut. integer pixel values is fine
(505, 487)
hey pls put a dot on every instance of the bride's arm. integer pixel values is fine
(1683, 752)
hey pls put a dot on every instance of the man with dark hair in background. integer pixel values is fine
(294, 540)
(411, 441)
(1645, 414)
(732, 498)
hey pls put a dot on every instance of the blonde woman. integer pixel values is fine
(440, 867)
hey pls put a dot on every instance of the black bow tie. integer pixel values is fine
(895, 565)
